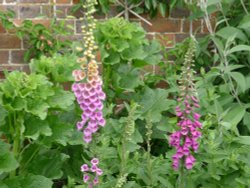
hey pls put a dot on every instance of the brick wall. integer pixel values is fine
(170, 30)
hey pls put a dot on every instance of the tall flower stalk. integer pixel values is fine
(185, 139)
(88, 90)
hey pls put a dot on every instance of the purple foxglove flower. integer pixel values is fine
(84, 168)
(87, 139)
(99, 172)
(184, 130)
(95, 181)
(102, 122)
(93, 168)
(197, 124)
(195, 146)
(179, 152)
(188, 142)
(79, 125)
(196, 116)
(186, 150)
(86, 178)
(94, 161)
(189, 162)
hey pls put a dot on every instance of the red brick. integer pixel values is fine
(47, 11)
(46, 23)
(2, 30)
(17, 56)
(33, 1)
(163, 25)
(63, 1)
(10, 67)
(63, 11)
(9, 42)
(179, 13)
(13, 8)
(196, 26)
(167, 40)
(4, 57)
(27, 11)
(10, 1)
(212, 22)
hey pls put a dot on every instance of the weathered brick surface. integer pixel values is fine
(9, 42)
(4, 57)
(27, 11)
(167, 30)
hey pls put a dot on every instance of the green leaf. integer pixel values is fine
(235, 115)
(38, 108)
(240, 80)
(239, 48)
(245, 22)
(61, 131)
(228, 32)
(154, 102)
(61, 99)
(29, 181)
(48, 163)
(163, 9)
(8, 162)
(243, 140)
(246, 120)
(34, 127)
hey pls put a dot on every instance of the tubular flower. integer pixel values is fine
(88, 84)
(88, 91)
(185, 140)
(91, 171)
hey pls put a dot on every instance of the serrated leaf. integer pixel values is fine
(29, 181)
(8, 162)
(34, 127)
(61, 99)
(154, 102)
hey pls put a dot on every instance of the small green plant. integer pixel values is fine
(39, 39)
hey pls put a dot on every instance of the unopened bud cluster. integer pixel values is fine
(185, 139)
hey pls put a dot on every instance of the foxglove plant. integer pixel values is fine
(185, 139)
(88, 89)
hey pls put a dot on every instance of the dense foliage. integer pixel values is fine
(40, 146)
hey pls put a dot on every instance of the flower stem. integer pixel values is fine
(181, 178)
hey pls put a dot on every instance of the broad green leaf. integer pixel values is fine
(245, 22)
(246, 120)
(38, 108)
(48, 163)
(34, 127)
(227, 32)
(61, 132)
(29, 181)
(240, 80)
(162, 8)
(239, 48)
(8, 162)
(61, 99)
(235, 115)
(243, 140)
(155, 102)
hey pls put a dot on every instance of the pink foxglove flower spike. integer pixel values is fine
(185, 140)
(88, 91)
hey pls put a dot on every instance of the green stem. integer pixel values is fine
(16, 141)
(149, 163)
(181, 178)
